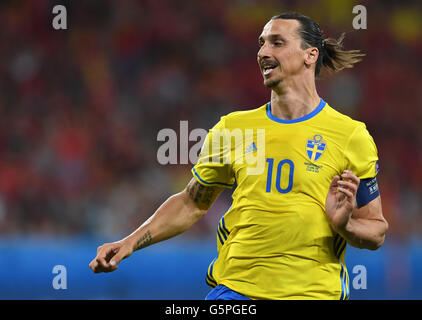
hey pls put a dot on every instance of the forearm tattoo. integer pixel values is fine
(201, 195)
(145, 241)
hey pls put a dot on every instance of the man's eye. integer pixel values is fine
(278, 43)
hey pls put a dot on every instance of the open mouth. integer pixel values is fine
(268, 69)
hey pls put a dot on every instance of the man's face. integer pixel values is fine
(280, 55)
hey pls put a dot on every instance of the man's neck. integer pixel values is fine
(293, 102)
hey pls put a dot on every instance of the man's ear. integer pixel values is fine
(311, 56)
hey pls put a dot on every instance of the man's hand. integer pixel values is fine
(109, 256)
(341, 199)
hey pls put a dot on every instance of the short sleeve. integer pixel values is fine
(214, 167)
(361, 154)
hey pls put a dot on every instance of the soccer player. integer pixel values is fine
(284, 236)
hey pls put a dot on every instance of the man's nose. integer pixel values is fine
(263, 52)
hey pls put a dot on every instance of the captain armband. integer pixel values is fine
(367, 191)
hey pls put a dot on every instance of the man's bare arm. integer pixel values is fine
(176, 215)
(367, 226)
(363, 227)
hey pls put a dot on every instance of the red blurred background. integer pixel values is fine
(80, 108)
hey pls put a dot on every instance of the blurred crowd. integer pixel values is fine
(80, 109)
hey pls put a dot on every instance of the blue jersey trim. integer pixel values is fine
(345, 293)
(222, 292)
(343, 246)
(304, 118)
(209, 279)
(223, 224)
(211, 183)
(339, 245)
(219, 237)
(222, 231)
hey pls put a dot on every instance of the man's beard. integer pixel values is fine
(270, 83)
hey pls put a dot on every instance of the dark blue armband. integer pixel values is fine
(367, 191)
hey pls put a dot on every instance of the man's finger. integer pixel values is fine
(116, 259)
(334, 184)
(104, 256)
(102, 262)
(348, 193)
(348, 174)
(93, 265)
(348, 185)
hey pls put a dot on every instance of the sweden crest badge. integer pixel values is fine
(315, 147)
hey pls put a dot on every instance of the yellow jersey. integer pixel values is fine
(275, 241)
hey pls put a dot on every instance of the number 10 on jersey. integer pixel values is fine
(282, 164)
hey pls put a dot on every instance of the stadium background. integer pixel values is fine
(80, 110)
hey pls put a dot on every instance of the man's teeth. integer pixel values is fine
(268, 69)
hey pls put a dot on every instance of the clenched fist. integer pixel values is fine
(109, 256)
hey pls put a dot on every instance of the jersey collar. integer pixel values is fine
(304, 118)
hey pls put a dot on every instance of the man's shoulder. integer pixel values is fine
(247, 117)
(347, 123)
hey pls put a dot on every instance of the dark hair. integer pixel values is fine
(331, 53)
